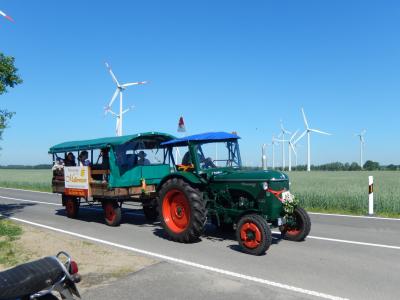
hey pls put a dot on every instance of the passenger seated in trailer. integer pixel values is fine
(142, 160)
(83, 159)
(70, 160)
(105, 159)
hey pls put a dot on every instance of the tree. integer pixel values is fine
(354, 167)
(8, 78)
(371, 165)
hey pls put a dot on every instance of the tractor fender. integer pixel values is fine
(190, 178)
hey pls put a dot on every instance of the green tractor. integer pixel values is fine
(209, 182)
(183, 182)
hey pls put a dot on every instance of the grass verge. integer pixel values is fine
(9, 250)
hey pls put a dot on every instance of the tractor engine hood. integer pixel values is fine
(250, 176)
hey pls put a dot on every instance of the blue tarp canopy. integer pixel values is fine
(207, 137)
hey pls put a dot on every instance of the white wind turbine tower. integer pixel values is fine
(362, 144)
(273, 151)
(291, 148)
(308, 132)
(119, 90)
(283, 132)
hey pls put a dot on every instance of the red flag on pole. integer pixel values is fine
(181, 125)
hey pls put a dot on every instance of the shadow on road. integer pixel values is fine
(8, 210)
(94, 214)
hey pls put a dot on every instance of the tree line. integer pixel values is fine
(369, 165)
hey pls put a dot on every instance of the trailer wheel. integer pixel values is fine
(71, 206)
(112, 213)
(150, 212)
(182, 211)
(302, 228)
(253, 234)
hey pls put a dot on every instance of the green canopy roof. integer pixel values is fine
(158, 137)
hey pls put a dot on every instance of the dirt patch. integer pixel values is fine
(98, 264)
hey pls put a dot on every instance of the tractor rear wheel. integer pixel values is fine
(71, 206)
(182, 211)
(112, 213)
(253, 234)
(302, 228)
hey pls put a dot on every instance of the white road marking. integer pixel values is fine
(31, 201)
(354, 216)
(188, 263)
(276, 232)
(32, 191)
(348, 241)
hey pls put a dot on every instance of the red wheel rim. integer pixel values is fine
(295, 230)
(70, 207)
(110, 212)
(176, 210)
(250, 234)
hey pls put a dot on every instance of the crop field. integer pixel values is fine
(323, 191)
(38, 180)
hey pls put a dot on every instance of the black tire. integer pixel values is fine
(151, 212)
(71, 206)
(112, 213)
(302, 228)
(248, 228)
(190, 208)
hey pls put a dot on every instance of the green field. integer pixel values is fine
(38, 180)
(338, 192)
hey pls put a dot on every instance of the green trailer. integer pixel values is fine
(189, 181)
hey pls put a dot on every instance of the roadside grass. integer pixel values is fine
(319, 191)
(9, 251)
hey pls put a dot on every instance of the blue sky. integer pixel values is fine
(223, 65)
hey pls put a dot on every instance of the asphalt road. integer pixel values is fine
(356, 258)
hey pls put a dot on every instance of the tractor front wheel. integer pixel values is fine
(301, 227)
(71, 206)
(112, 213)
(182, 211)
(253, 234)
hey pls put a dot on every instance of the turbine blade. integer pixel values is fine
(319, 131)
(291, 146)
(6, 16)
(300, 137)
(133, 83)
(112, 74)
(113, 98)
(304, 118)
(128, 109)
(293, 135)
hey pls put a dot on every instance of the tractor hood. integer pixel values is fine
(249, 176)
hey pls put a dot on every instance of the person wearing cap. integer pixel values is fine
(142, 160)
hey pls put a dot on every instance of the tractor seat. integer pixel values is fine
(30, 277)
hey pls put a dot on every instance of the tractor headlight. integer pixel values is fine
(265, 186)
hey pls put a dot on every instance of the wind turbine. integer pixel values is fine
(119, 90)
(283, 132)
(6, 16)
(362, 143)
(291, 148)
(273, 151)
(308, 131)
